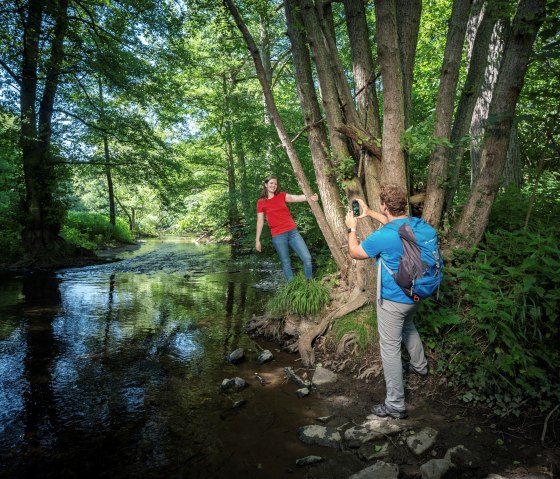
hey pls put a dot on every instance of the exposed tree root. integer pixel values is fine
(312, 330)
(298, 334)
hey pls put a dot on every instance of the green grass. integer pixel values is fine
(363, 323)
(94, 231)
(299, 296)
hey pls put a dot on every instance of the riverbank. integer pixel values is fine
(506, 447)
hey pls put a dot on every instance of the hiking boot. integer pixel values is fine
(408, 368)
(382, 410)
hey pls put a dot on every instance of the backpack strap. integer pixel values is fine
(379, 271)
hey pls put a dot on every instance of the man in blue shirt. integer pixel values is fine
(395, 310)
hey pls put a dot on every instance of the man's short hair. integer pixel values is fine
(394, 197)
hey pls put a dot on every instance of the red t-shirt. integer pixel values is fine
(277, 214)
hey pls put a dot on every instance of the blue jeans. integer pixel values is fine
(292, 239)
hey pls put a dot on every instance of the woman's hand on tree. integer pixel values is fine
(314, 197)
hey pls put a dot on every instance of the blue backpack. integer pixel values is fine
(420, 267)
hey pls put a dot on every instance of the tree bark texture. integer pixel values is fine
(480, 114)
(367, 103)
(408, 26)
(437, 170)
(518, 47)
(478, 42)
(393, 165)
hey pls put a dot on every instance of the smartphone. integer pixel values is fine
(356, 208)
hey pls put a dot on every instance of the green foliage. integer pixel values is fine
(497, 340)
(10, 194)
(299, 296)
(94, 231)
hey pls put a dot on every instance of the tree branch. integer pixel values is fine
(361, 137)
(10, 72)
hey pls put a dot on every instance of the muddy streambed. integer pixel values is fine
(114, 370)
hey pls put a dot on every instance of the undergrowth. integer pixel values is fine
(94, 231)
(497, 333)
(299, 296)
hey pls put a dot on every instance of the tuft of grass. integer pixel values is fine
(299, 296)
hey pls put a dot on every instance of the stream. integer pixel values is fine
(114, 370)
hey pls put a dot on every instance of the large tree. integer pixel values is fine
(345, 123)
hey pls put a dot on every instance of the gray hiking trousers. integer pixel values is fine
(395, 325)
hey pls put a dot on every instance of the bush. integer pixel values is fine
(299, 296)
(498, 339)
(94, 231)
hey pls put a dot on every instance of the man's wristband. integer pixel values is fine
(351, 230)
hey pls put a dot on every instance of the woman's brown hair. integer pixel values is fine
(264, 193)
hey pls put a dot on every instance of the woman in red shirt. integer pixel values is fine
(283, 229)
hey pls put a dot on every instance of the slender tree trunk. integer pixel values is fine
(408, 26)
(512, 171)
(393, 168)
(108, 175)
(517, 50)
(242, 174)
(437, 170)
(317, 136)
(478, 41)
(228, 86)
(267, 65)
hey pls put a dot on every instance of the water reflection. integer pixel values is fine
(95, 359)
(123, 362)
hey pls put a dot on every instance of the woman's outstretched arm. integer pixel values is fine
(300, 198)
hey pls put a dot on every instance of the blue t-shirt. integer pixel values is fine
(386, 242)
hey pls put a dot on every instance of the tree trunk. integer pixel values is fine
(480, 114)
(513, 172)
(366, 96)
(242, 172)
(317, 136)
(110, 191)
(478, 42)
(408, 25)
(393, 165)
(108, 175)
(43, 217)
(437, 170)
(517, 50)
(339, 111)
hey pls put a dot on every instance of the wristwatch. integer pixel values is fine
(351, 230)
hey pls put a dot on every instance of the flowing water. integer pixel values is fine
(114, 370)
